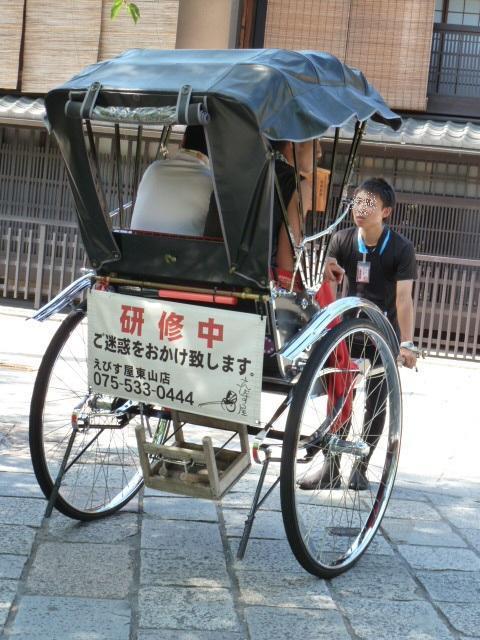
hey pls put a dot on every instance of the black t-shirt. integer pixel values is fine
(396, 262)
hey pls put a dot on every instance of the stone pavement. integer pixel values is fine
(165, 567)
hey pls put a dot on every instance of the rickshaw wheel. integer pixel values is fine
(329, 524)
(102, 471)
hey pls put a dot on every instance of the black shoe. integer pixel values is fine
(358, 478)
(325, 477)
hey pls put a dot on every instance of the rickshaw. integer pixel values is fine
(157, 377)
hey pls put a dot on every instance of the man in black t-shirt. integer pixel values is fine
(380, 266)
(379, 263)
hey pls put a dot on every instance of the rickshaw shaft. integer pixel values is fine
(241, 295)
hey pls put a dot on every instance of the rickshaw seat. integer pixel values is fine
(160, 257)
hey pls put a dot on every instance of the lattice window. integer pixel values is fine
(466, 12)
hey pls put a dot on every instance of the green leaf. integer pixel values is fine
(134, 11)
(116, 6)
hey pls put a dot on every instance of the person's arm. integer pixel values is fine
(404, 304)
(333, 272)
(406, 273)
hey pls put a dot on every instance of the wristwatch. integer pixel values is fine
(409, 345)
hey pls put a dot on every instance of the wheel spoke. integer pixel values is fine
(103, 470)
(330, 516)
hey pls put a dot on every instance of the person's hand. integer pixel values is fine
(333, 272)
(408, 357)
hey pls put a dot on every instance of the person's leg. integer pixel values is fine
(375, 411)
(376, 390)
(326, 475)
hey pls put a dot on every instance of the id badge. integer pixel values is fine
(363, 271)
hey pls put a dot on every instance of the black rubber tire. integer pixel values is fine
(297, 505)
(45, 465)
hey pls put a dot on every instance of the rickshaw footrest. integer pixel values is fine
(191, 469)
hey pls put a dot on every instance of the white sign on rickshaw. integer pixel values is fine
(201, 360)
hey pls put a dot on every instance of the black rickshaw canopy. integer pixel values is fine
(250, 96)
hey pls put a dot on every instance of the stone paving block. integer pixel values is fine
(19, 485)
(172, 634)
(248, 483)
(176, 508)
(292, 591)
(458, 488)
(461, 516)
(170, 566)
(8, 589)
(473, 537)
(377, 580)
(132, 506)
(190, 536)
(5, 430)
(28, 511)
(119, 527)
(16, 462)
(402, 491)
(264, 556)
(243, 500)
(18, 434)
(155, 493)
(16, 539)
(185, 608)
(11, 566)
(393, 620)
(45, 618)
(267, 524)
(379, 563)
(411, 510)
(464, 617)
(239, 500)
(101, 571)
(451, 586)
(421, 532)
(440, 558)
(270, 623)
(446, 499)
(379, 547)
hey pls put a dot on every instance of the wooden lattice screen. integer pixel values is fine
(390, 40)
(10, 39)
(157, 28)
(60, 39)
(320, 25)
